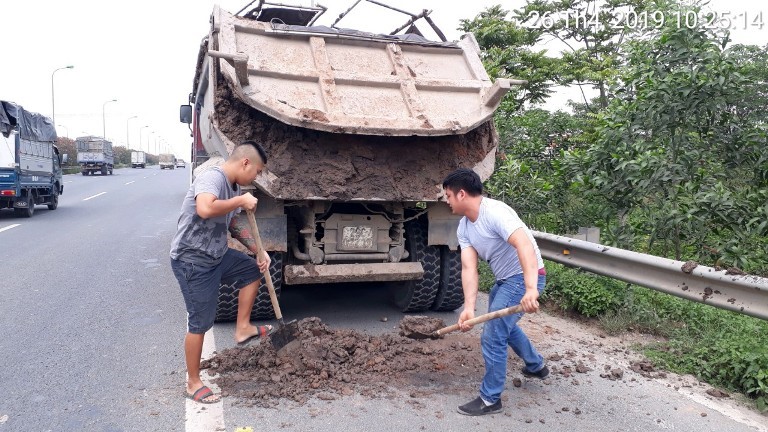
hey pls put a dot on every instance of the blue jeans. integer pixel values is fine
(500, 332)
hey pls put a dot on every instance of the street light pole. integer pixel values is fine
(53, 93)
(103, 118)
(140, 141)
(128, 132)
(66, 129)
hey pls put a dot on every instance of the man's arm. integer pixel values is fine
(241, 231)
(469, 283)
(527, 255)
(209, 205)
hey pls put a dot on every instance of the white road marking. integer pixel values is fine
(212, 417)
(94, 196)
(133, 181)
(9, 227)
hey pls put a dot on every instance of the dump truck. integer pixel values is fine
(95, 154)
(138, 159)
(30, 162)
(167, 160)
(360, 129)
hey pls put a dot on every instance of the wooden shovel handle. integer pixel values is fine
(267, 275)
(482, 318)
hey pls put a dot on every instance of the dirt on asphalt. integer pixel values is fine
(328, 364)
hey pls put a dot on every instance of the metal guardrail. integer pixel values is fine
(740, 293)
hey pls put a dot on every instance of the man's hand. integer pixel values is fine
(248, 202)
(264, 262)
(466, 314)
(530, 301)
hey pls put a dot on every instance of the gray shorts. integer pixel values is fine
(200, 285)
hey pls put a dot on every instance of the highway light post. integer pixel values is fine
(53, 93)
(66, 129)
(103, 118)
(128, 132)
(140, 131)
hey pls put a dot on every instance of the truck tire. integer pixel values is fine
(28, 211)
(419, 295)
(54, 203)
(451, 294)
(85, 173)
(226, 310)
(103, 171)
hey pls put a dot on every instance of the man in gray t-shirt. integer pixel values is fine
(201, 259)
(491, 230)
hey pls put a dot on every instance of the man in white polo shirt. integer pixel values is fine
(491, 230)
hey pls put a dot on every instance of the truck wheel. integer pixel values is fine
(451, 294)
(226, 309)
(85, 173)
(26, 212)
(419, 295)
(54, 204)
(103, 171)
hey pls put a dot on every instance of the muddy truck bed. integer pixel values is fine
(347, 115)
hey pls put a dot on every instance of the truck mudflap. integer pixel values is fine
(335, 273)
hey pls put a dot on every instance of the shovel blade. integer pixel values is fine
(285, 334)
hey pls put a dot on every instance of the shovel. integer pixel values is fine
(437, 334)
(285, 333)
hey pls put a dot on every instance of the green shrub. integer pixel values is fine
(586, 293)
(486, 277)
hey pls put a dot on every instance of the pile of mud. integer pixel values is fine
(328, 364)
(337, 166)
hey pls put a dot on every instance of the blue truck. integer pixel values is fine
(30, 162)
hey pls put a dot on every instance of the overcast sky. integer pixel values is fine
(143, 54)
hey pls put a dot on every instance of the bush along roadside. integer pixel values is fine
(720, 347)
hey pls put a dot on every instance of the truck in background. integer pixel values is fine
(95, 154)
(360, 129)
(30, 162)
(138, 159)
(167, 160)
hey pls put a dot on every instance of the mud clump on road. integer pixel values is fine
(329, 364)
(420, 327)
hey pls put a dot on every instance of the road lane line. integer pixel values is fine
(132, 181)
(9, 227)
(94, 196)
(212, 417)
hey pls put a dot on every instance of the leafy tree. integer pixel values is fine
(592, 31)
(673, 147)
(508, 52)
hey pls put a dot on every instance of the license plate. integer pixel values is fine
(357, 238)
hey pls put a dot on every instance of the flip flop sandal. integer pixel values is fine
(264, 331)
(200, 395)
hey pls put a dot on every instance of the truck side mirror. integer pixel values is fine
(64, 158)
(185, 114)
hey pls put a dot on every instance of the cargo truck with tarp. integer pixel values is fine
(30, 162)
(95, 155)
(360, 129)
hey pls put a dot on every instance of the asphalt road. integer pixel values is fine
(94, 321)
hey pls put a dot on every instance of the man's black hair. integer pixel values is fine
(464, 178)
(259, 149)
